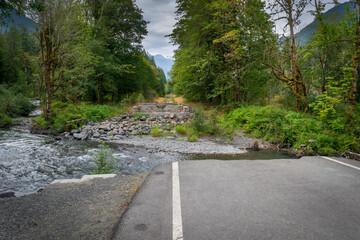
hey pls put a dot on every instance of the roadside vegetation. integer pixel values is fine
(305, 133)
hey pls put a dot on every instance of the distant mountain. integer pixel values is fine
(164, 63)
(336, 13)
(18, 20)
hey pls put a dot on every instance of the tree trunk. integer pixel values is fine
(100, 91)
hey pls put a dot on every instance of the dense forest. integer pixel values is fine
(229, 53)
(231, 56)
(80, 51)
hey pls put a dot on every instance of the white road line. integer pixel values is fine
(333, 160)
(177, 219)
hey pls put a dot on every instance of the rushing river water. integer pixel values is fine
(30, 162)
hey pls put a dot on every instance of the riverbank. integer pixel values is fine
(87, 210)
(181, 145)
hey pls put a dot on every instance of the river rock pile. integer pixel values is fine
(129, 124)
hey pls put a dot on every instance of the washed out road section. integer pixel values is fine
(87, 210)
(308, 198)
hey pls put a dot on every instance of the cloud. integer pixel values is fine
(161, 15)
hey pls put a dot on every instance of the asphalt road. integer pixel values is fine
(307, 198)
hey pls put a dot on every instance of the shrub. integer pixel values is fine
(202, 124)
(134, 98)
(14, 105)
(198, 122)
(191, 135)
(67, 112)
(6, 120)
(156, 132)
(292, 130)
(104, 160)
(180, 130)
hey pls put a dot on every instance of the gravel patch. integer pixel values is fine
(88, 210)
(202, 146)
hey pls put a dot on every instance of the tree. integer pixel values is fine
(290, 11)
(220, 48)
(356, 61)
(62, 38)
(118, 28)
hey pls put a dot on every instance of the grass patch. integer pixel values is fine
(191, 135)
(139, 115)
(156, 132)
(180, 130)
(6, 120)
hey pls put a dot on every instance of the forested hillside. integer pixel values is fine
(335, 14)
(18, 20)
(81, 51)
(164, 63)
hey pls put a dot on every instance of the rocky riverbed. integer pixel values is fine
(127, 125)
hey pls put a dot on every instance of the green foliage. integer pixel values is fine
(40, 123)
(198, 122)
(191, 135)
(5, 120)
(291, 129)
(139, 115)
(14, 104)
(133, 99)
(180, 130)
(104, 160)
(220, 42)
(90, 62)
(337, 91)
(202, 124)
(156, 132)
(67, 112)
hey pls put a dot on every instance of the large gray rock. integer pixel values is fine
(96, 134)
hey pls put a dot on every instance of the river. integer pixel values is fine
(30, 162)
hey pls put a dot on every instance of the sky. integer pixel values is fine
(161, 15)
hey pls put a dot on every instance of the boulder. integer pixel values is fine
(7, 195)
(96, 134)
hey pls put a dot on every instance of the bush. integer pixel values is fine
(202, 124)
(67, 112)
(14, 105)
(180, 130)
(104, 160)
(293, 130)
(198, 122)
(156, 132)
(133, 99)
(6, 120)
(191, 135)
